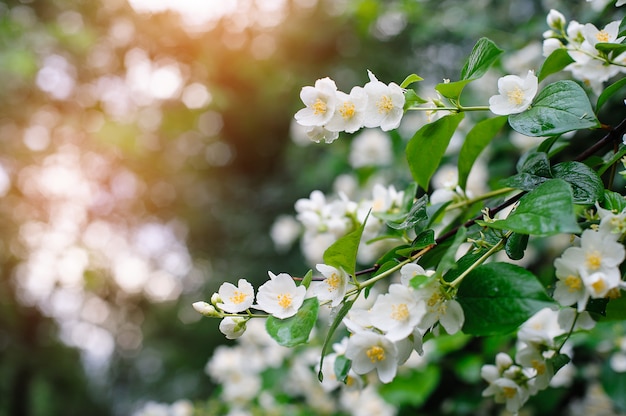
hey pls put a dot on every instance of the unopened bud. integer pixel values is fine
(215, 299)
(233, 328)
(503, 361)
(205, 309)
(556, 20)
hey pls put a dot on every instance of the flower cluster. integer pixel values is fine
(513, 382)
(593, 63)
(329, 111)
(591, 270)
(385, 333)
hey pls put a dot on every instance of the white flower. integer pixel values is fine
(607, 35)
(411, 270)
(398, 312)
(333, 288)
(597, 252)
(318, 133)
(349, 111)
(439, 308)
(507, 391)
(569, 287)
(515, 94)
(370, 148)
(385, 105)
(235, 299)
(541, 328)
(550, 45)
(284, 232)
(319, 102)
(280, 296)
(531, 357)
(369, 351)
(233, 328)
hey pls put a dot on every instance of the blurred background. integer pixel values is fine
(145, 151)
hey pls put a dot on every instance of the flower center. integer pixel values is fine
(594, 260)
(598, 285)
(573, 283)
(516, 96)
(333, 282)
(375, 353)
(433, 300)
(385, 105)
(347, 110)
(284, 300)
(399, 312)
(319, 107)
(238, 297)
(602, 36)
(539, 366)
(509, 392)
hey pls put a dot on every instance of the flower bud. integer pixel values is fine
(551, 45)
(503, 361)
(215, 299)
(205, 309)
(233, 328)
(556, 20)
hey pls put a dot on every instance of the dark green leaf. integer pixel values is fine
(614, 48)
(425, 150)
(342, 253)
(498, 297)
(535, 163)
(547, 210)
(424, 239)
(475, 142)
(557, 60)
(483, 55)
(558, 362)
(560, 107)
(523, 181)
(328, 340)
(342, 367)
(412, 388)
(614, 201)
(462, 264)
(609, 92)
(447, 261)
(516, 245)
(587, 187)
(615, 309)
(294, 330)
(415, 215)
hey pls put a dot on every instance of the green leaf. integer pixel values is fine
(547, 210)
(587, 187)
(426, 148)
(412, 99)
(475, 142)
(615, 309)
(414, 216)
(614, 201)
(535, 163)
(410, 80)
(560, 107)
(557, 60)
(342, 367)
(483, 55)
(611, 48)
(342, 253)
(412, 388)
(516, 245)
(447, 261)
(296, 329)
(345, 308)
(306, 280)
(452, 90)
(609, 92)
(498, 297)
(424, 239)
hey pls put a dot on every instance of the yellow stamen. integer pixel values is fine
(539, 366)
(602, 36)
(375, 353)
(347, 110)
(319, 107)
(516, 96)
(385, 105)
(434, 300)
(509, 392)
(399, 312)
(594, 260)
(238, 297)
(598, 285)
(333, 282)
(285, 300)
(573, 283)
